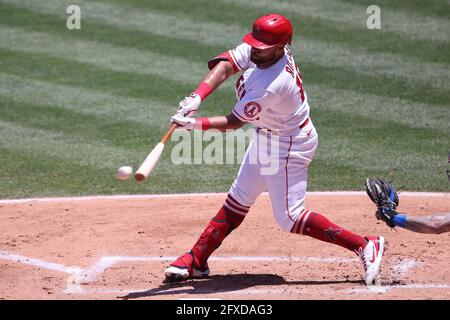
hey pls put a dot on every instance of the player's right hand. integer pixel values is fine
(189, 104)
(183, 122)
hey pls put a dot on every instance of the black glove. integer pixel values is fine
(385, 197)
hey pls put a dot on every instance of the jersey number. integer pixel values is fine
(298, 79)
(240, 90)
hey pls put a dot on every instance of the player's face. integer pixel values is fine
(266, 57)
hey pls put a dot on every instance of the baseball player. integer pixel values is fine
(270, 95)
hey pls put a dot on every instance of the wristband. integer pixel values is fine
(202, 123)
(203, 90)
(400, 220)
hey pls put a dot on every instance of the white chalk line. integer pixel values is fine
(74, 283)
(38, 263)
(183, 195)
(81, 277)
(399, 270)
(384, 289)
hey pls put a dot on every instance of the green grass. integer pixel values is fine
(76, 105)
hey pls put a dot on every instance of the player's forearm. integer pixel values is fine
(434, 224)
(214, 78)
(221, 123)
(221, 72)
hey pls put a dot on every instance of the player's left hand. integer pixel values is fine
(183, 122)
(189, 104)
(387, 215)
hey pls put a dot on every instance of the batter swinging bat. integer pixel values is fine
(153, 157)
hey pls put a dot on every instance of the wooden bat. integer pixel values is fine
(153, 157)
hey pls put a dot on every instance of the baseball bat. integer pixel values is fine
(152, 159)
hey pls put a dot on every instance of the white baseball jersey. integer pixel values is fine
(273, 98)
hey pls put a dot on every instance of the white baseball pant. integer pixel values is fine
(285, 178)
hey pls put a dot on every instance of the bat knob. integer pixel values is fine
(139, 177)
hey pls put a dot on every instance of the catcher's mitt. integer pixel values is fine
(385, 197)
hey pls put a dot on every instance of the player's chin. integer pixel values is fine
(257, 60)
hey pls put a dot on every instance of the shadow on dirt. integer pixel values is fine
(227, 283)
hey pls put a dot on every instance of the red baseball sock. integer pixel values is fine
(317, 226)
(229, 217)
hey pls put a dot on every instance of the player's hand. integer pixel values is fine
(189, 104)
(386, 214)
(183, 122)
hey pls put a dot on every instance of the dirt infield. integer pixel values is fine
(113, 248)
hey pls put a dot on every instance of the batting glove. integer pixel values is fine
(183, 122)
(189, 104)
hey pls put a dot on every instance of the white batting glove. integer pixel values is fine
(189, 104)
(183, 122)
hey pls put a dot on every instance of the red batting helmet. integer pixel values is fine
(269, 31)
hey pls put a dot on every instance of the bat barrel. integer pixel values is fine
(152, 159)
(149, 163)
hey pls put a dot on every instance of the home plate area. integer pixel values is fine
(132, 277)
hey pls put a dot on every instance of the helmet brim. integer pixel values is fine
(249, 39)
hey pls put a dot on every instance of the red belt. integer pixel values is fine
(304, 123)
